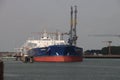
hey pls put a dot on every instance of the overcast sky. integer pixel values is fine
(18, 18)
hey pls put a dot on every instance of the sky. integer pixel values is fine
(18, 18)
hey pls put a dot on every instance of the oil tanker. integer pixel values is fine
(57, 53)
(51, 49)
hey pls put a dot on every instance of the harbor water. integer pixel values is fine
(89, 69)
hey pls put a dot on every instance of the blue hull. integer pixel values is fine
(57, 50)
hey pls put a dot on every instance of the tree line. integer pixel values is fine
(114, 50)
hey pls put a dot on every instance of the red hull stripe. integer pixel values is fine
(58, 59)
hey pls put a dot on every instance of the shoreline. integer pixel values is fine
(101, 56)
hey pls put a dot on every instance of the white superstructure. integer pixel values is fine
(45, 40)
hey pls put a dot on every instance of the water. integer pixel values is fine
(89, 69)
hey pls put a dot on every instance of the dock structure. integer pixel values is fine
(73, 23)
(1, 70)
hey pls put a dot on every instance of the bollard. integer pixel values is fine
(1, 70)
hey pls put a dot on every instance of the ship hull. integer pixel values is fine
(57, 53)
(58, 59)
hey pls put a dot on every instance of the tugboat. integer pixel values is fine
(49, 49)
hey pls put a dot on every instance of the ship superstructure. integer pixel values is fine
(46, 39)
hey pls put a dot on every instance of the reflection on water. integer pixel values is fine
(89, 69)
